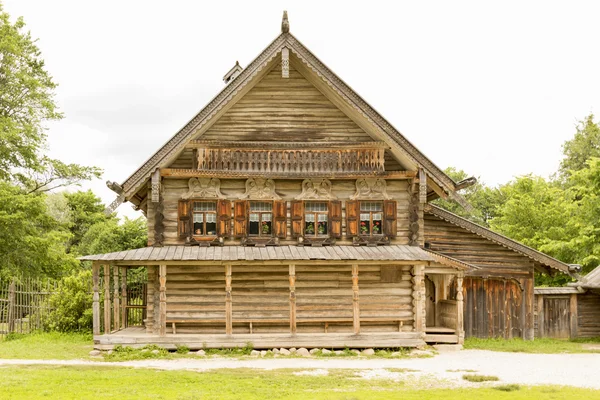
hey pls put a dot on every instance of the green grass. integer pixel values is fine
(480, 378)
(540, 345)
(125, 383)
(46, 346)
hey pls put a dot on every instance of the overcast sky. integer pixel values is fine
(493, 88)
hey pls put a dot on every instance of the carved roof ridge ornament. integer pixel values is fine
(260, 189)
(370, 188)
(316, 189)
(285, 24)
(204, 188)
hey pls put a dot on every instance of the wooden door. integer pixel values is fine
(429, 303)
(556, 317)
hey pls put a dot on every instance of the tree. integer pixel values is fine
(110, 236)
(26, 103)
(85, 209)
(584, 145)
(484, 199)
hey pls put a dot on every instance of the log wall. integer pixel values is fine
(173, 189)
(588, 315)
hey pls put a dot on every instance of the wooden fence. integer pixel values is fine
(24, 304)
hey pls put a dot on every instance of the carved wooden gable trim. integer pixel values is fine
(316, 189)
(204, 188)
(370, 188)
(260, 189)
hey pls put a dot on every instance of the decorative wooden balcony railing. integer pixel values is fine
(294, 158)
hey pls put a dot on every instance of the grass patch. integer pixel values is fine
(42, 382)
(540, 345)
(461, 370)
(480, 378)
(46, 346)
(507, 388)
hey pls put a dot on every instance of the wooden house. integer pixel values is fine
(288, 212)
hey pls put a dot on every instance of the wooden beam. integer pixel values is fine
(193, 173)
(460, 328)
(96, 298)
(355, 303)
(123, 297)
(228, 305)
(418, 300)
(162, 278)
(292, 299)
(116, 302)
(574, 315)
(422, 186)
(107, 324)
(540, 315)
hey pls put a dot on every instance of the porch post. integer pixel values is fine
(162, 277)
(228, 309)
(123, 297)
(107, 299)
(96, 298)
(116, 302)
(460, 329)
(355, 304)
(292, 299)
(418, 299)
(573, 313)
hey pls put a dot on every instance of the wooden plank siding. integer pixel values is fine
(588, 315)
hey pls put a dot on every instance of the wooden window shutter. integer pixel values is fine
(390, 224)
(224, 218)
(335, 219)
(279, 219)
(240, 212)
(297, 211)
(351, 218)
(184, 220)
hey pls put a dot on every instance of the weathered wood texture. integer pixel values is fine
(285, 110)
(494, 259)
(448, 313)
(588, 315)
(174, 189)
(493, 308)
(556, 317)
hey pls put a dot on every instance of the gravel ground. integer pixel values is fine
(443, 370)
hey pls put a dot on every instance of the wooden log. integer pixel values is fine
(574, 316)
(123, 297)
(228, 305)
(292, 299)
(95, 298)
(418, 300)
(460, 330)
(107, 324)
(541, 321)
(116, 302)
(11, 307)
(162, 278)
(355, 303)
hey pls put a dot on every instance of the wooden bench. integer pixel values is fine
(327, 321)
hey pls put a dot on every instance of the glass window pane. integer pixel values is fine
(198, 218)
(309, 217)
(265, 228)
(322, 228)
(261, 206)
(322, 217)
(198, 228)
(371, 206)
(205, 206)
(211, 228)
(211, 217)
(254, 217)
(314, 206)
(309, 228)
(266, 217)
(253, 229)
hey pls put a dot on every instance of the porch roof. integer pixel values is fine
(278, 253)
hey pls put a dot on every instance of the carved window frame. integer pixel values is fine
(371, 213)
(215, 212)
(261, 234)
(326, 213)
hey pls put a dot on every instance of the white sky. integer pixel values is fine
(493, 88)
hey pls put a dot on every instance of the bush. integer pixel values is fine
(183, 349)
(71, 304)
(480, 378)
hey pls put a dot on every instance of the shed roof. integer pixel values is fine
(277, 253)
(556, 290)
(590, 281)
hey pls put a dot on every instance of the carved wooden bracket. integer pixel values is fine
(370, 188)
(259, 189)
(204, 188)
(316, 189)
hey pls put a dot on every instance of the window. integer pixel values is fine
(371, 218)
(204, 214)
(261, 217)
(316, 219)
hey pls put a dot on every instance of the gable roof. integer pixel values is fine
(589, 281)
(247, 77)
(520, 248)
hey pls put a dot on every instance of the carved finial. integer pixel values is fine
(285, 24)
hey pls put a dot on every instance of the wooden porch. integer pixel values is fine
(137, 337)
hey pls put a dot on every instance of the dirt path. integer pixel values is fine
(530, 369)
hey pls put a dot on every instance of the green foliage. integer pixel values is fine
(584, 145)
(480, 378)
(85, 210)
(539, 345)
(182, 349)
(126, 353)
(71, 304)
(507, 388)
(31, 240)
(109, 236)
(46, 346)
